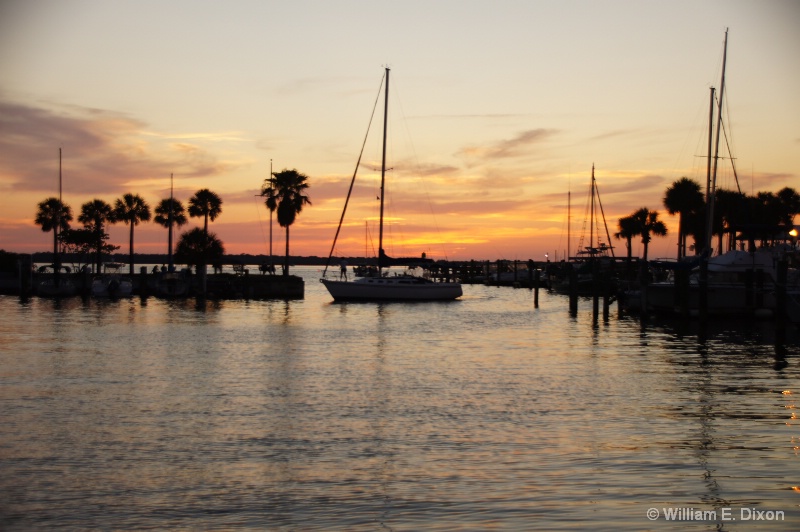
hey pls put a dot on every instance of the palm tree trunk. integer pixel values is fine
(286, 260)
(131, 248)
(56, 261)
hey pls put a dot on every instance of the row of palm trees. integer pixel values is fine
(753, 217)
(284, 193)
(131, 209)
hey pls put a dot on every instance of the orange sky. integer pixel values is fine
(497, 112)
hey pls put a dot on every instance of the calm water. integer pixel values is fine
(485, 413)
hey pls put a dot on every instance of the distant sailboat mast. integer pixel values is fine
(711, 188)
(272, 182)
(569, 220)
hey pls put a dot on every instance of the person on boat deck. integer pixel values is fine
(343, 269)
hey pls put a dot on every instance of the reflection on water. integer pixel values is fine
(480, 413)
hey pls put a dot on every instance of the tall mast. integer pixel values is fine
(169, 222)
(591, 219)
(59, 174)
(710, 142)
(713, 185)
(59, 214)
(383, 170)
(569, 219)
(271, 182)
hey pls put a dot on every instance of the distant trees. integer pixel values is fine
(132, 210)
(285, 193)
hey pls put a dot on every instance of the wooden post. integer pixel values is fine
(682, 291)
(703, 288)
(573, 290)
(781, 299)
(536, 275)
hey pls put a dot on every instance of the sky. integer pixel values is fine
(498, 111)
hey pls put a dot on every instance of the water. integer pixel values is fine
(308, 415)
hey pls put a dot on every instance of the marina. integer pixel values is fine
(190, 341)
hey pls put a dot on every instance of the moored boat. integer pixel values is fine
(379, 286)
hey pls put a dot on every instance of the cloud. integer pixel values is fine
(508, 148)
(103, 151)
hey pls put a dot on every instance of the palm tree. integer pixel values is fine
(729, 214)
(790, 204)
(54, 215)
(198, 248)
(627, 229)
(285, 193)
(170, 212)
(683, 197)
(647, 222)
(95, 215)
(131, 209)
(205, 204)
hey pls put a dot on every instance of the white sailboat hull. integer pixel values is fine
(401, 288)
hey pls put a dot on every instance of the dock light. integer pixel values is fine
(793, 232)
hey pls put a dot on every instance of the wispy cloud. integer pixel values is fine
(508, 148)
(103, 151)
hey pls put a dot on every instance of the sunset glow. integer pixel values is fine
(498, 112)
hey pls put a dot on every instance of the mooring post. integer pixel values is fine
(781, 299)
(536, 275)
(703, 288)
(573, 290)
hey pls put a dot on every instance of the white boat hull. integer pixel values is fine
(401, 288)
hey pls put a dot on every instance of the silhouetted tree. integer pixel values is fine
(205, 204)
(163, 213)
(790, 205)
(132, 210)
(627, 230)
(170, 212)
(647, 223)
(285, 193)
(198, 248)
(95, 215)
(729, 215)
(684, 198)
(54, 215)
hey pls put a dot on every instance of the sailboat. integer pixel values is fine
(382, 287)
(590, 260)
